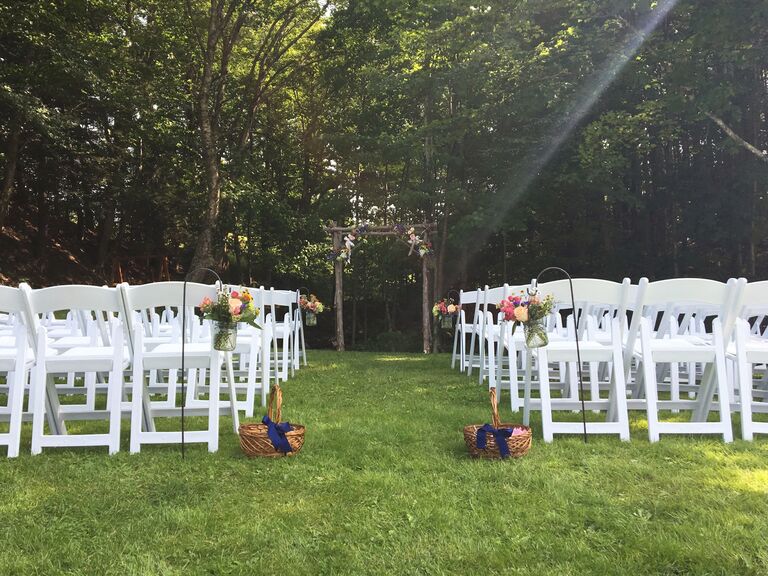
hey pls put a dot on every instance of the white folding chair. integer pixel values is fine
(753, 393)
(600, 308)
(282, 329)
(666, 348)
(462, 329)
(105, 355)
(164, 357)
(299, 342)
(470, 360)
(592, 352)
(490, 331)
(253, 357)
(15, 363)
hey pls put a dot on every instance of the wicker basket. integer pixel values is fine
(518, 445)
(254, 440)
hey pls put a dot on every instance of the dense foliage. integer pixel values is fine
(615, 138)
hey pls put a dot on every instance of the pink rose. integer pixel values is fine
(234, 306)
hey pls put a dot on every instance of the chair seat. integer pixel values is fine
(69, 342)
(168, 355)
(689, 349)
(90, 359)
(756, 350)
(8, 360)
(565, 351)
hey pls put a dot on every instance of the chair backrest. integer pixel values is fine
(15, 314)
(148, 297)
(492, 296)
(93, 302)
(11, 300)
(754, 301)
(469, 296)
(693, 296)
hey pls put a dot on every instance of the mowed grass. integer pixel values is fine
(384, 486)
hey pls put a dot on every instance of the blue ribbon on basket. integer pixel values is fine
(276, 432)
(499, 434)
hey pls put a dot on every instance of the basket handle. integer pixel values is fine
(494, 409)
(276, 397)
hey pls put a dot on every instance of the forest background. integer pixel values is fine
(613, 138)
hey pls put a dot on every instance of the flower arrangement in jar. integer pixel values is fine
(312, 307)
(445, 310)
(530, 311)
(230, 308)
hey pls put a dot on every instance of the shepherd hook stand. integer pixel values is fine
(183, 341)
(533, 290)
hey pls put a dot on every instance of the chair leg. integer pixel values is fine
(594, 383)
(723, 394)
(619, 388)
(89, 380)
(114, 393)
(232, 391)
(38, 391)
(471, 356)
(527, 391)
(674, 383)
(546, 403)
(651, 400)
(213, 402)
(53, 407)
(745, 397)
(138, 407)
(16, 405)
(250, 393)
(455, 346)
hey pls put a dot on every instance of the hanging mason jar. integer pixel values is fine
(224, 336)
(446, 321)
(535, 333)
(310, 318)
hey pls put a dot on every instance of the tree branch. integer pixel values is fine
(762, 154)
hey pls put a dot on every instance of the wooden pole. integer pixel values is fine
(426, 335)
(338, 297)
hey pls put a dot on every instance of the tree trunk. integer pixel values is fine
(426, 335)
(204, 250)
(106, 228)
(45, 181)
(207, 118)
(12, 158)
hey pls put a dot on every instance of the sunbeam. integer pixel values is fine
(529, 168)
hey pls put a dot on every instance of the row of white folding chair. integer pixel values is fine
(102, 357)
(254, 346)
(704, 294)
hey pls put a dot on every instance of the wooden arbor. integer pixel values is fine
(338, 232)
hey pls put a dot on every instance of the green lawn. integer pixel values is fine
(384, 486)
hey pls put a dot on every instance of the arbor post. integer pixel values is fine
(426, 334)
(338, 296)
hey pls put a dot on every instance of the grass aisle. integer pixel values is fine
(383, 486)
